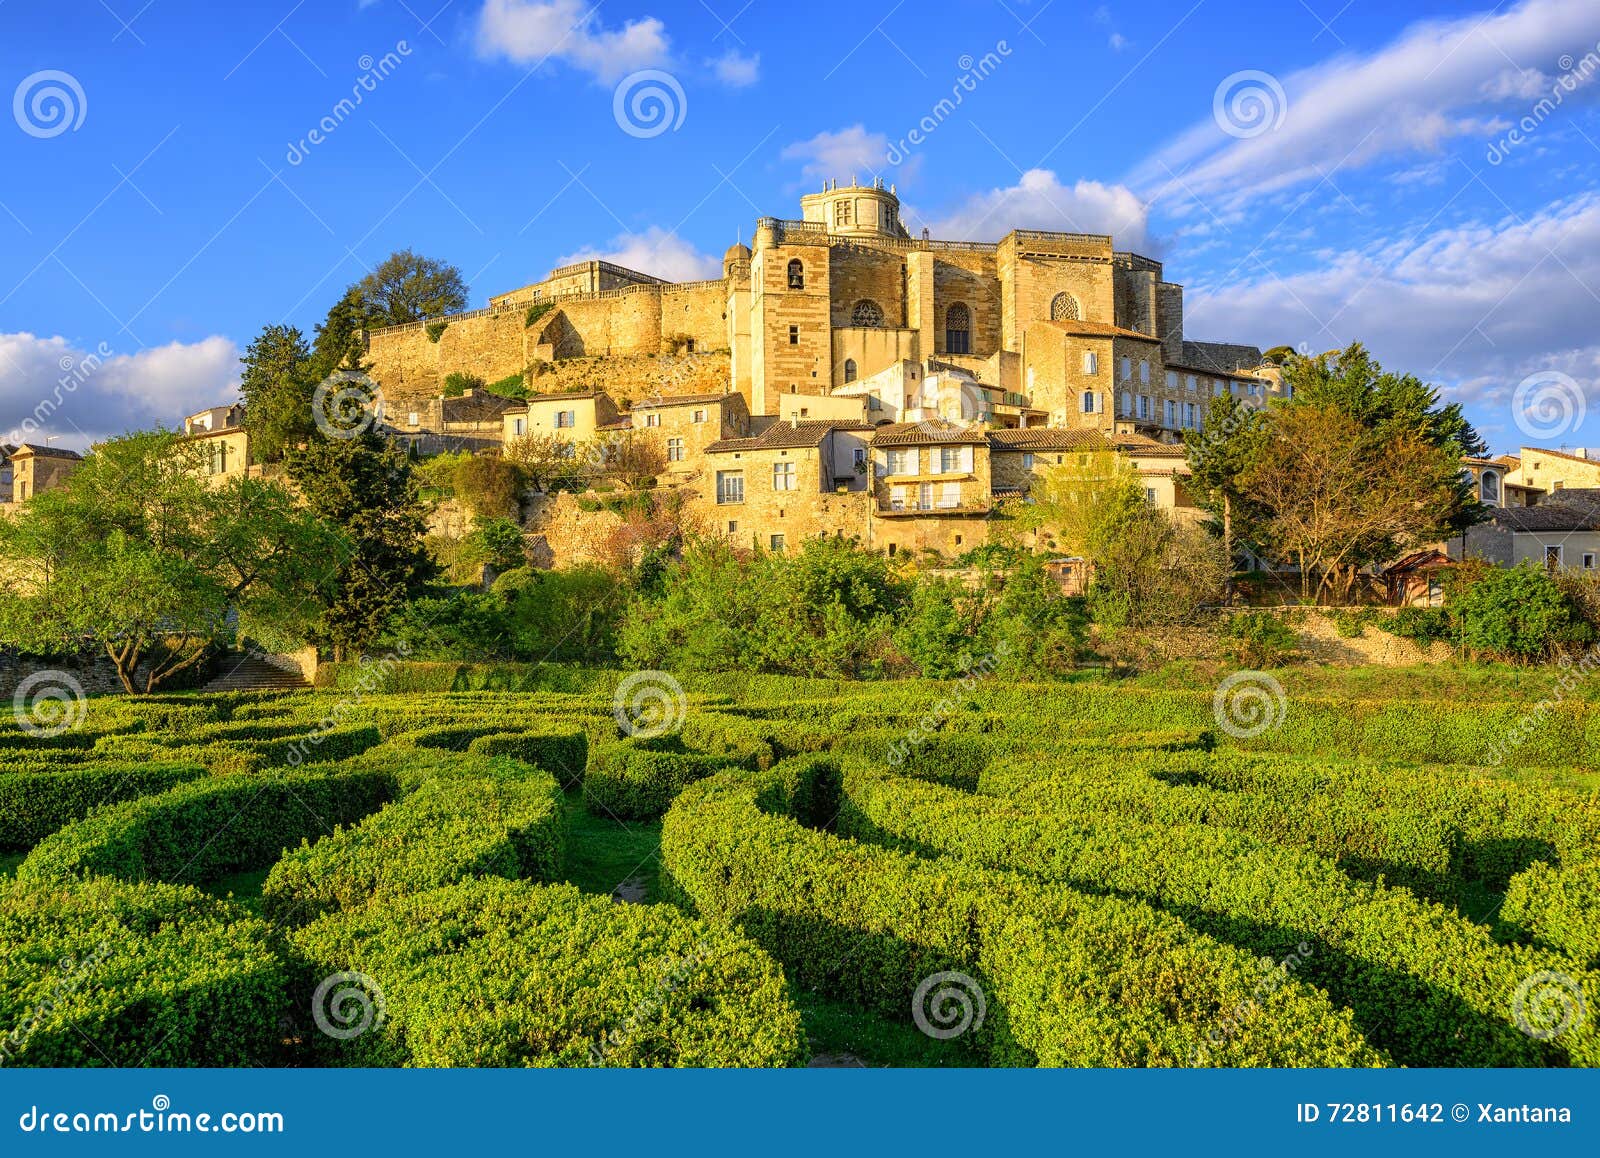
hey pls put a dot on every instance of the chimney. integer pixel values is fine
(794, 420)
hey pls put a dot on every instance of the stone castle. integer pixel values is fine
(1056, 329)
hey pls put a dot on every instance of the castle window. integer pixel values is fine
(1064, 308)
(775, 542)
(958, 330)
(1490, 488)
(1144, 373)
(697, 416)
(849, 369)
(841, 213)
(797, 275)
(783, 476)
(794, 335)
(1091, 362)
(1125, 404)
(652, 419)
(674, 450)
(566, 419)
(1088, 401)
(519, 426)
(867, 314)
(730, 487)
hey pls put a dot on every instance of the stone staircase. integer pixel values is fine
(244, 672)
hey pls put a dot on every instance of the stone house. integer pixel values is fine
(794, 481)
(1562, 531)
(575, 416)
(36, 469)
(1548, 471)
(1017, 457)
(932, 488)
(473, 420)
(686, 426)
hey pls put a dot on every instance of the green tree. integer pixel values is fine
(365, 486)
(1219, 453)
(1517, 613)
(137, 555)
(278, 381)
(407, 287)
(339, 343)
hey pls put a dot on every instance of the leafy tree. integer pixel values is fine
(1337, 496)
(489, 485)
(548, 461)
(407, 287)
(136, 554)
(278, 381)
(630, 456)
(567, 616)
(367, 487)
(458, 383)
(339, 343)
(1219, 453)
(503, 543)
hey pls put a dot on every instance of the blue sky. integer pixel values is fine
(162, 196)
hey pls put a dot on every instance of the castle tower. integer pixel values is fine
(855, 210)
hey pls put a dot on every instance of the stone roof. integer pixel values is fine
(934, 432)
(478, 406)
(1220, 357)
(683, 400)
(1562, 454)
(1564, 511)
(44, 451)
(1147, 447)
(1048, 438)
(1100, 330)
(787, 436)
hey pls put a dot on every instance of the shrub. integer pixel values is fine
(486, 818)
(99, 972)
(1072, 979)
(629, 782)
(490, 486)
(1259, 640)
(1421, 625)
(35, 804)
(556, 978)
(435, 330)
(1558, 908)
(1428, 986)
(563, 754)
(1517, 613)
(458, 383)
(208, 828)
(536, 311)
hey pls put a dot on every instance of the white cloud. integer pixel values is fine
(1438, 82)
(736, 70)
(48, 386)
(529, 33)
(1040, 201)
(656, 251)
(849, 152)
(1479, 306)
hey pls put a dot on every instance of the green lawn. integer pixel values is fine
(603, 853)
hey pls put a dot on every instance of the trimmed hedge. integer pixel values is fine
(563, 754)
(1559, 908)
(1072, 979)
(102, 973)
(500, 973)
(35, 804)
(631, 782)
(495, 818)
(1430, 987)
(209, 828)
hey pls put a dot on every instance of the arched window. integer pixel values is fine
(849, 369)
(1064, 308)
(958, 330)
(867, 314)
(1489, 488)
(797, 275)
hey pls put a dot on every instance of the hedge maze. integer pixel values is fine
(1063, 876)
